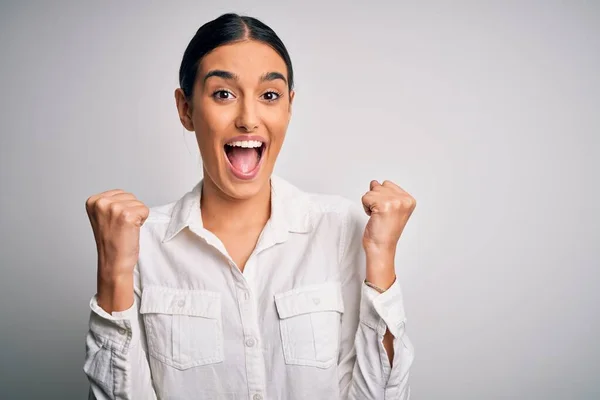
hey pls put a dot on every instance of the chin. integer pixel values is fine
(245, 190)
(236, 188)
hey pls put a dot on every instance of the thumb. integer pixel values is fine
(142, 215)
(374, 184)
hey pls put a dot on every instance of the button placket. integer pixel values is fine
(251, 331)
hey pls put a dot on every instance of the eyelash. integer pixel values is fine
(218, 91)
(274, 92)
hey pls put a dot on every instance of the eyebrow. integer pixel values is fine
(269, 76)
(221, 74)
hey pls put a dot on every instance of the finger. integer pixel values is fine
(91, 201)
(374, 184)
(392, 185)
(367, 210)
(143, 214)
(107, 201)
(123, 198)
(107, 193)
(123, 205)
(136, 214)
(369, 201)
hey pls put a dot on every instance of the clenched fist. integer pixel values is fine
(116, 217)
(389, 208)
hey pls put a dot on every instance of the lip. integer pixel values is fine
(250, 174)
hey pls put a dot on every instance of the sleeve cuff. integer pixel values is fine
(382, 311)
(120, 329)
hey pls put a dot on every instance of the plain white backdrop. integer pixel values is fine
(488, 113)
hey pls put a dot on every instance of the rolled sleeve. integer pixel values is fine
(381, 311)
(120, 329)
(116, 362)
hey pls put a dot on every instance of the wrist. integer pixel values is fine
(379, 258)
(379, 250)
(381, 270)
(115, 293)
(381, 279)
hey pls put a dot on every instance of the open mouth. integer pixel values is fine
(244, 156)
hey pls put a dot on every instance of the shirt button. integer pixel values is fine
(317, 301)
(246, 295)
(122, 331)
(250, 342)
(257, 396)
(181, 303)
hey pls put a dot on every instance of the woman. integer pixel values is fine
(246, 287)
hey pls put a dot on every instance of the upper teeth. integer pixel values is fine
(246, 143)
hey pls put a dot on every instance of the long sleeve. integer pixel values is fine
(115, 362)
(364, 368)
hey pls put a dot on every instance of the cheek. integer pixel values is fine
(276, 123)
(214, 118)
(211, 124)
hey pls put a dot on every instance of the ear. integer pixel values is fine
(292, 95)
(184, 109)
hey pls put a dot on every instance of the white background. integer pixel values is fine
(488, 113)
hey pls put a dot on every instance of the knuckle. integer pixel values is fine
(127, 215)
(397, 203)
(103, 204)
(89, 203)
(115, 208)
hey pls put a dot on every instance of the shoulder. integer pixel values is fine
(161, 213)
(323, 207)
(158, 222)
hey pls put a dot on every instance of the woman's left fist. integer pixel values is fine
(389, 208)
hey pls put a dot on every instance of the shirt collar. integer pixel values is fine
(290, 211)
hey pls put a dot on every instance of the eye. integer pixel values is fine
(222, 94)
(271, 96)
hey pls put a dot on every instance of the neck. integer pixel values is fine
(222, 213)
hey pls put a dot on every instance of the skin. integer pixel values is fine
(224, 106)
(389, 207)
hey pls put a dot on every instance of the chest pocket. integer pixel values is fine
(309, 322)
(183, 327)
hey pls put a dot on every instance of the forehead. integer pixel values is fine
(247, 59)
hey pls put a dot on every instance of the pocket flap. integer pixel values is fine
(164, 300)
(306, 299)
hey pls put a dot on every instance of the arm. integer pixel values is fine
(375, 352)
(116, 363)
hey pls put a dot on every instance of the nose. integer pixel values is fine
(247, 119)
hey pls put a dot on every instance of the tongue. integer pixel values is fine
(243, 159)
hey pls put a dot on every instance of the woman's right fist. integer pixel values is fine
(116, 217)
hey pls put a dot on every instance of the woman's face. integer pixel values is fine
(240, 110)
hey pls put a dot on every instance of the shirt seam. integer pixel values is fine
(343, 237)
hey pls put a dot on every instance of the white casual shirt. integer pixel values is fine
(298, 323)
